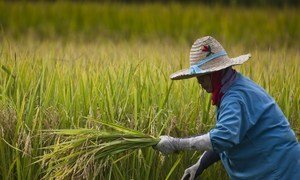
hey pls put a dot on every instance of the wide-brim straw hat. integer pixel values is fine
(206, 56)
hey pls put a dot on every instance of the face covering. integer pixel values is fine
(221, 81)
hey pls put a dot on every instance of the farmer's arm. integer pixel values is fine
(231, 127)
(168, 144)
(207, 159)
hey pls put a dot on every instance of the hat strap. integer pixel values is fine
(195, 69)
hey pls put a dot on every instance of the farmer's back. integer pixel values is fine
(253, 136)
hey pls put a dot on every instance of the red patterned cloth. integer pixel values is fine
(216, 78)
(221, 81)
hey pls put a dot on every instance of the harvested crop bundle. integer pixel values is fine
(75, 149)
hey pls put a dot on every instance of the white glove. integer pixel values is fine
(207, 159)
(168, 144)
(191, 172)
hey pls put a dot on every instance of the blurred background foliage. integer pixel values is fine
(278, 3)
(259, 26)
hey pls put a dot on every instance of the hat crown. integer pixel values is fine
(203, 48)
(206, 56)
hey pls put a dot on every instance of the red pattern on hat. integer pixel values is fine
(206, 48)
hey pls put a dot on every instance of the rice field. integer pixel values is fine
(106, 64)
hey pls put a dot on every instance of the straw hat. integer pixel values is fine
(207, 55)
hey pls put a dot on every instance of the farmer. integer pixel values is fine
(252, 137)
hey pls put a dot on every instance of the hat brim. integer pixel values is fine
(219, 65)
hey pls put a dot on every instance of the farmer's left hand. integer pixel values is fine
(191, 172)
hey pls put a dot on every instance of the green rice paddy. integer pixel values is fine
(74, 65)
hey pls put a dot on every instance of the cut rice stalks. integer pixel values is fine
(75, 151)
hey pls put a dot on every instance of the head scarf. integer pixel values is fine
(221, 81)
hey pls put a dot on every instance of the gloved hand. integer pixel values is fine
(192, 172)
(207, 159)
(168, 144)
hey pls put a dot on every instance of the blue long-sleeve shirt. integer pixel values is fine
(253, 136)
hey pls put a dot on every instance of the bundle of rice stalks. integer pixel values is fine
(76, 151)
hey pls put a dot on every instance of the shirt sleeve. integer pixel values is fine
(231, 127)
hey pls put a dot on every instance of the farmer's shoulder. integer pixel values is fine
(245, 84)
(245, 91)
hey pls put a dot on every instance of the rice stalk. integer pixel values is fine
(75, 150)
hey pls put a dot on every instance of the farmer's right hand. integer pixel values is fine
(167, 145)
